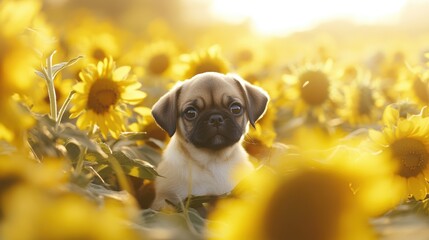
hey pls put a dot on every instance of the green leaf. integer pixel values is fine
(135, 167)
(56, 68)
(73, 150)
(40, 74)
(70, 132)
(145, 152)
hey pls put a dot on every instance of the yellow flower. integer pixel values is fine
(16, 16)
(362, 101)
(313, 204)
(146, 123)
(15, 123)
(17, 62)
(93, 39)
(311, 90)
(405, 143)
(158, 58)
(63, 216)
(416, 86)
(16, 57)
(40, 102)
(260, 139)
(208, 60)
(101, 97)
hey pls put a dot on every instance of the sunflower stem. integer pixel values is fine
(51, 88)
(79, 164)
(63, 108)
(52, 100)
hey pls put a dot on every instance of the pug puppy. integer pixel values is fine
(206, 117)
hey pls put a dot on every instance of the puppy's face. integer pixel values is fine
(210, 110)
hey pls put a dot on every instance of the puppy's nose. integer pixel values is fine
(216, 120)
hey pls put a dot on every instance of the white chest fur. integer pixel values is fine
(188, 170)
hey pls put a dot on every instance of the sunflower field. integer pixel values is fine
(342, 152)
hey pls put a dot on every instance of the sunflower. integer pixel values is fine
(91, 39)
(208, 60)
(416, 86)
(64, 216)
(405, 143)
(146, 123)
(311, 90)
(315, 204)
(260, 139)
(17, 62)
(40, 103)
(101, 97)
(362, 100)
(159, 57)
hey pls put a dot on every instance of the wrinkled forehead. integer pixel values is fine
(210, 91)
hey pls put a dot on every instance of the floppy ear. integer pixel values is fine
(256, 99)
(164, 111)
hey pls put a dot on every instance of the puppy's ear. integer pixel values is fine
(164, 111)
(256, 99)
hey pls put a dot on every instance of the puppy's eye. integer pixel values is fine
(236, 109)
(190, 113)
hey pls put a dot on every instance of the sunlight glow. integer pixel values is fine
(278, 17)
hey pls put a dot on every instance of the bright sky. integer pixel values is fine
(285, 16)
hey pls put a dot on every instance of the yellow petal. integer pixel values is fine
(390, 116)
(143, 111)
(133, 97)
(405, 128)
(121, 73)
(377, 137)
(83, 122)
(79, 87)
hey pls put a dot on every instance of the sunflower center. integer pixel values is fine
(421, 90)
(366, 100)
(207, 66)
(103, 94)
(314, 87)
(245, 55)
(99, 54)
(158, 64)
(311, 200)
(412, 156)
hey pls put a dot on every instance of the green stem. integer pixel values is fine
(51, 88)
(52, 99)
(79, 164)
(63, 108)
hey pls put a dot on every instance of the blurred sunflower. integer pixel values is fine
(146, 123)
(101, 97)
(40, 102)
(63, 216)
(313, 204)
(208, 60)
(159, 57)
(260, 139)
(405, 143)
(311, 90)
(92, 39)
(362, 101)
(16, 66)
(416, 87)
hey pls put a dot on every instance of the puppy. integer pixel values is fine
(206, 117)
